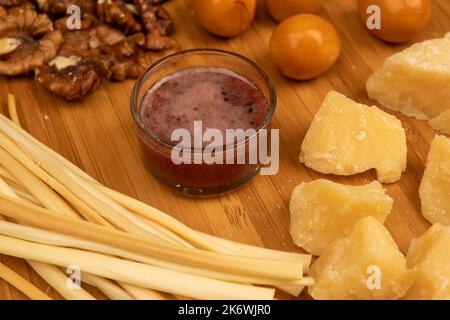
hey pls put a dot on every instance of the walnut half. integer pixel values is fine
(28, 41)
(72, 77)
(116, 13)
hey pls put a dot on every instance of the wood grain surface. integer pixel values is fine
(98, 135)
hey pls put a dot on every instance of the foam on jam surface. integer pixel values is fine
(220, 98)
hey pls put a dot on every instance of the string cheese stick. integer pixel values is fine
(97, 202)
(36, 187)
(13, 109)
(108, 287)
(142, 293)
(53, 276)
(283, 270)
(248, 250)
(18, 168)
(133, 272)
(55, 239)
(41, 154)
(56, 276)
(27, 141)
(292, 290)
(5, 174)
(58, 280)
(22, 161)
(21, 284)
(200, 239)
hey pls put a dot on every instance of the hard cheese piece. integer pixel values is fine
(364, 265)
(346, 138)
(435, 186)
(429, 262)
(415, 81)
(442, 122)
(323, 211)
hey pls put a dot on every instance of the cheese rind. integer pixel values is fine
(442, 122)
(364, 265)
(434, 189)
(323, 211)
(347, 138)
(429, 263)
(415, 81)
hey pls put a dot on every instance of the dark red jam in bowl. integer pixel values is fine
(193, 100)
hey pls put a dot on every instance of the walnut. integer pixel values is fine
(148, 3)
(59, 7)
(157, 20)
(126, 47)
(88, 21)
(157, 42)
(134, 66)
(75, 43)
(116, 13)
(10, 3)
(24, 6)
(72, 77)
(104, 35)
(30, 42)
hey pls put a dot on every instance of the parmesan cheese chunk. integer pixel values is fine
(366, 264)
(415, 81)
(347, 138)
(429, 262)
(442, 122)
(435, 186)
(323, 211)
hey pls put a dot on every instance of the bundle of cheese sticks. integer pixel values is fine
(55, 216)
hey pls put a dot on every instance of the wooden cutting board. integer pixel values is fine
(98, 135)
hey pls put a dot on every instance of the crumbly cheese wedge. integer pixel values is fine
(366, 264)
(415, 81)
(442, 122)
(435, 186)
(429, 262)
(323, 211)
(347, 138)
